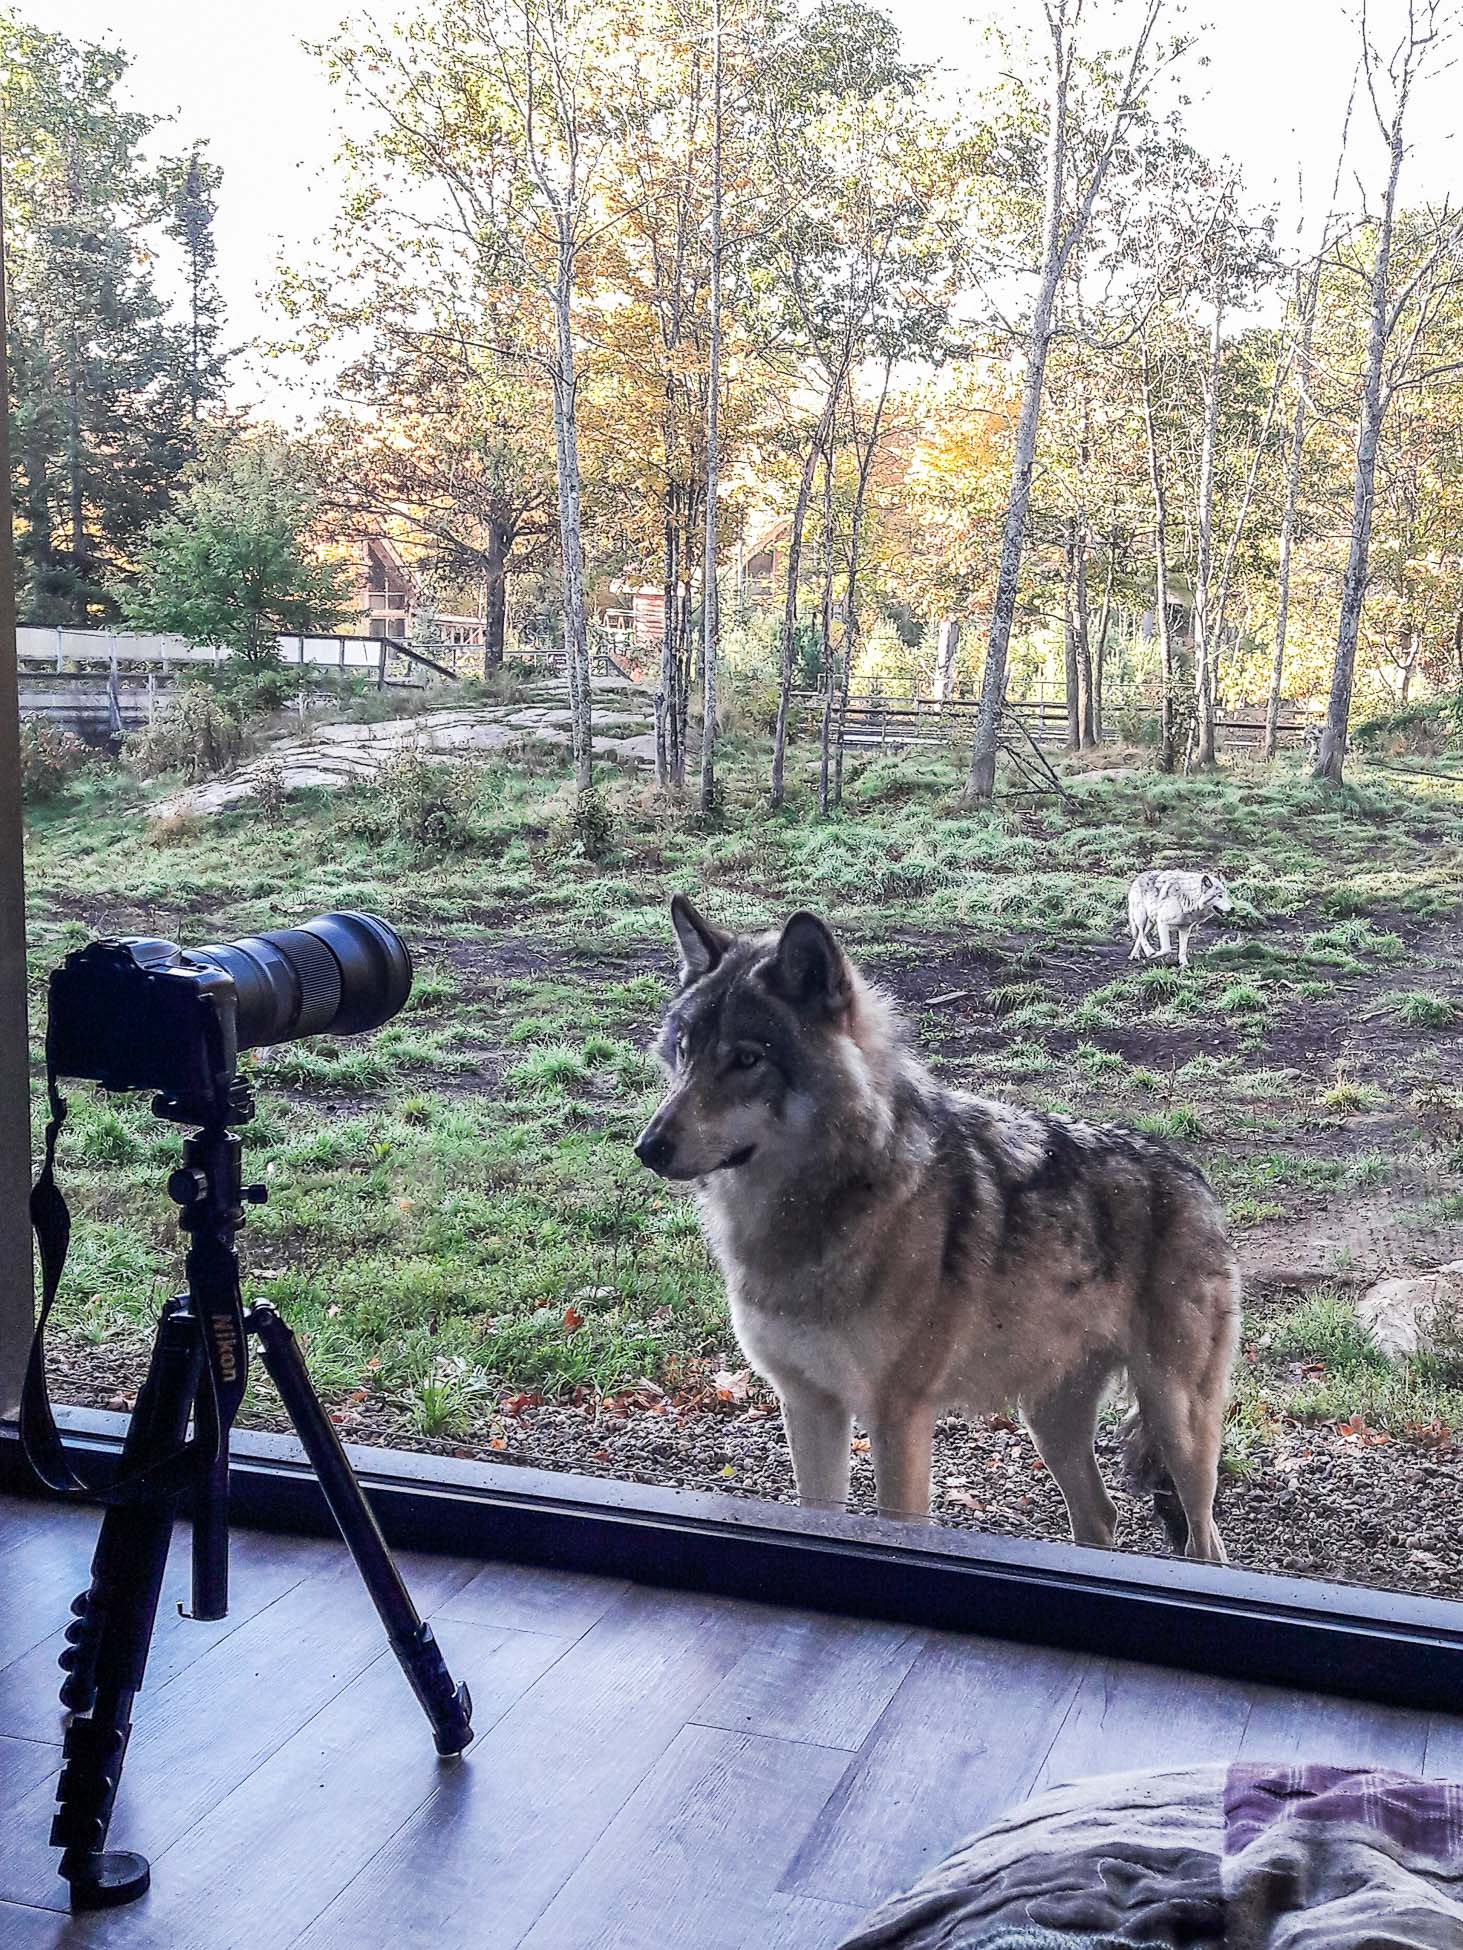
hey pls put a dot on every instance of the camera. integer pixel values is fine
(140, 1014)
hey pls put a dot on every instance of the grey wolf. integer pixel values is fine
(1172, 901)
(893, 1249)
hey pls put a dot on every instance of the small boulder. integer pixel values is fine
(1409, 1315)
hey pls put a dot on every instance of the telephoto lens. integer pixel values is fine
(340, 972)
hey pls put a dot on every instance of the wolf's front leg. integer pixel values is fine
(902, 1441)
(1165, 939)
(1184, 947)
(818, 1433)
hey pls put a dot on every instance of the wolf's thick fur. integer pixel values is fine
(892, 1248)
(1173, 901)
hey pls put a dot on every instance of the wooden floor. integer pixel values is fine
(651, 1769)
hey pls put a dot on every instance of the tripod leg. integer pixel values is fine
(113, 1628)
(446, 1705)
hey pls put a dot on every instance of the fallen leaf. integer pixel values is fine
(573, 1320)
(861, 1445)
(732, 1384)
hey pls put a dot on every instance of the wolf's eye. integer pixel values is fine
(682, 1047)
(746, 1059)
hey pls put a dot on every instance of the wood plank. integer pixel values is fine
(477, 1866)
(1127, 1715)
(964, 1737)
(196, 1738)
(38, 1579)
(35, 1929)
(24, 1764)
(1333, 1732)
(805, 1923)
(804, 1677)
(528, 1598)
(1444, 1758)
(696, 1853)
(291, 1837)
(262, 1569)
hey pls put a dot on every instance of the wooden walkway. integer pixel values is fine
(652, 1770)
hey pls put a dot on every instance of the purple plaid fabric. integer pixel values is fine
(1423, 1818)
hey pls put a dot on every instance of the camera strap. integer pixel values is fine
(40, 1439)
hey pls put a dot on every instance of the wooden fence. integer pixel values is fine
(900, 722)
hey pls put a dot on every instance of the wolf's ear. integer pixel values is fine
(809, 968)
(702, 945)
(1208, 882)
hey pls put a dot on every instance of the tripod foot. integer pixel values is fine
(447, 1706)
(108, 1881)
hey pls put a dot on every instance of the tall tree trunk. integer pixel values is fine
(1069, 640)
(571, 541)
(981, 782)
(666, 727)
(1084, 640)
(1104, 623)
(1206, 646)
(855, 544)
(1167, 736)
(710, 620)
(1058, 243)
(1458, 644)
(947, 648)
(790, 610)
(1412, 643)
(1310, 293)
(825, 635)
(495, 594)
(1331, 757)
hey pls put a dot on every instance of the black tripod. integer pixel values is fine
(197, 1372)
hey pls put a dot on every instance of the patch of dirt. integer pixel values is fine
(1316, 1502)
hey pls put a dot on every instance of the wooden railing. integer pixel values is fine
(905, 721)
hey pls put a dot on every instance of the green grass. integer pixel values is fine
(455, 1210)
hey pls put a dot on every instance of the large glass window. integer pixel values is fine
(1113, 1062)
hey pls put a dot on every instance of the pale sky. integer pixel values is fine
(1272, 96)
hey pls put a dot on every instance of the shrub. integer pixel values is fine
(586, 828)
(428, 802)
(1422, 730)
(270, 791)
(192, 734)
(49, 756)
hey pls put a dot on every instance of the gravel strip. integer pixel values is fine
(1315, 1502)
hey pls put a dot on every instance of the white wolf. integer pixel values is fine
(1173, 901)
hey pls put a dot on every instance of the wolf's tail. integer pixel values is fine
(1148, 1475)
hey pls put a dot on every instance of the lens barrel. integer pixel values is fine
(340, 972)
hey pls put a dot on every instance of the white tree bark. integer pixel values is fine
(947, 649)
(1426, 28)
(710, 617)
(1205, 645)
(1310, 291)
(571, 539)
(1167, 748)
(1060, 236)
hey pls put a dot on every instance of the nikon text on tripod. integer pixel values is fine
(147, 1015)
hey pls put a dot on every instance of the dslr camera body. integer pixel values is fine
(142, 1014)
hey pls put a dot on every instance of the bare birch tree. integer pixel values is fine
(1073, 182)
(710, 616)
(1303, 329)
(1392, 354)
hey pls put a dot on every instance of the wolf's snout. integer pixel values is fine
(654, 1149)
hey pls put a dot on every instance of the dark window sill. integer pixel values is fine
(1376, 1645)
